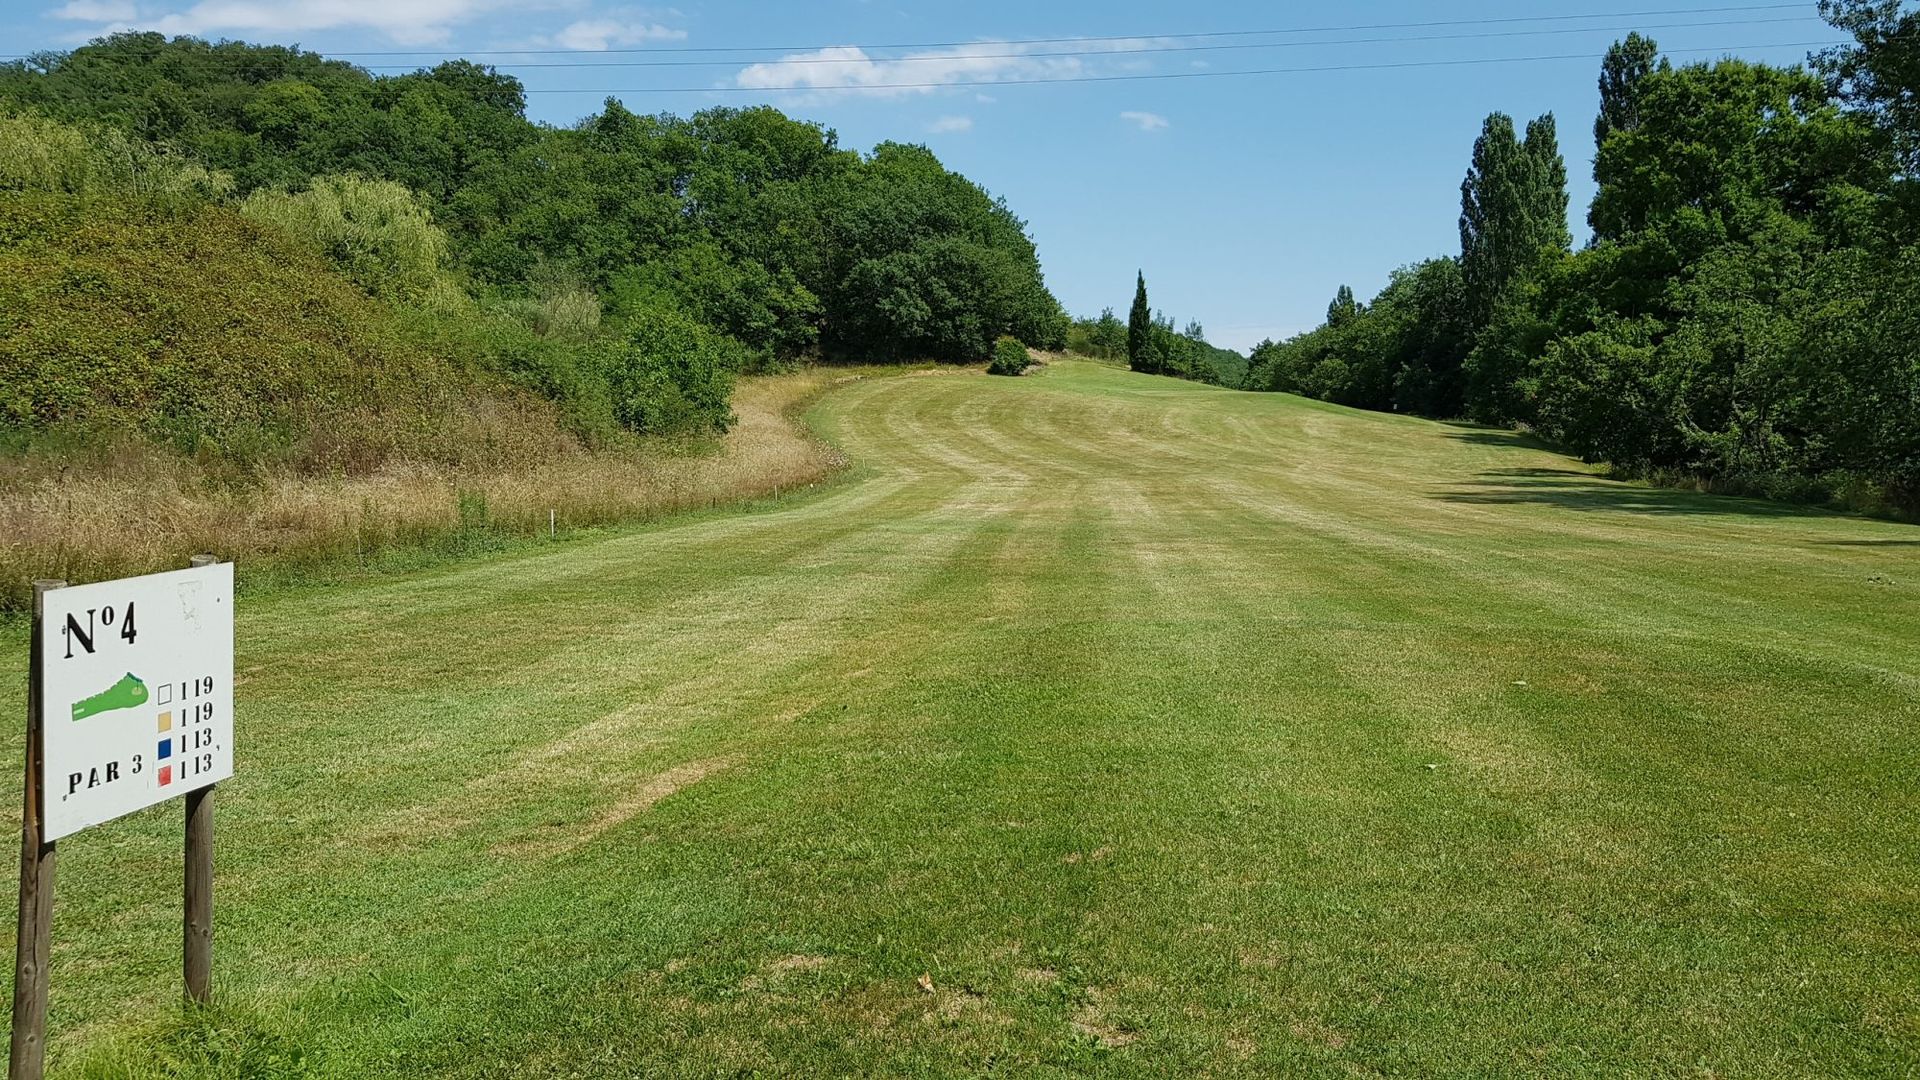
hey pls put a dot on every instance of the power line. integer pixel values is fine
(1089, 39)
(1433, 24)
(1149, 50)
(1163, 76)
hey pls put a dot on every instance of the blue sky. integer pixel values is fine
(1246, 200)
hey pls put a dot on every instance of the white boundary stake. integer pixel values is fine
(129, 703)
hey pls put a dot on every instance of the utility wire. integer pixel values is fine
(1135, 37)
(1164, 76)
(1086, 39)
(1143, 51)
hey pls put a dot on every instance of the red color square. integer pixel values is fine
(166, 775)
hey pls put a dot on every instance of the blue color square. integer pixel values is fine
(166, 749)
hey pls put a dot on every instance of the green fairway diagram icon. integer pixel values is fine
(125, 694)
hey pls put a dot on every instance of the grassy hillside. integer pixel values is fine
(1111, 725)
(299, 380)
(192, 326)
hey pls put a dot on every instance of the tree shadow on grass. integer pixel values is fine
(1585, 490)
(1485, 435)
(1573, 490)
(1870, 543)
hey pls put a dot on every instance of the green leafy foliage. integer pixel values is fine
(37, 154)
(624, 268)
(376, 231)
(1879, 75)
(924, 264)
(668, 374)
(199, 327)
(1009, 357)
(1745, 313)
(1104, 338)
(1402, 351)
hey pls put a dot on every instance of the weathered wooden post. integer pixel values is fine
(28, 1056)
(197, 926)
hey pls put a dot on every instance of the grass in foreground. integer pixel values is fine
(1111, 725)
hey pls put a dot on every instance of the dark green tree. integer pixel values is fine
(1626, 64)
(1546, 173)
(1492, 209)
(1140, 352)
(1879, 74)
(1344, 308)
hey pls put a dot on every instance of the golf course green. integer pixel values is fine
(1095, 724)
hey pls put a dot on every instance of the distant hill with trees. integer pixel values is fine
(561, 260)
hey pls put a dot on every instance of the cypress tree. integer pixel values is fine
(1140, 328)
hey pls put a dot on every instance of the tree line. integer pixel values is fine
(1745, 312)
(1148, 343)
(746, 238)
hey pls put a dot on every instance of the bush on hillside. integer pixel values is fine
(1009, 357)
(668, 374)
(376, 231)
(40, 155)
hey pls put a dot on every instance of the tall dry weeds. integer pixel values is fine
(138, 508)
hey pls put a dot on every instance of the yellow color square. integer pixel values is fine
(166, 721)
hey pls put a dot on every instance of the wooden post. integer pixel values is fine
(196, 956)
(27, 1059)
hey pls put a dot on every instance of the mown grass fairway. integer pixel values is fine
(1164, 729)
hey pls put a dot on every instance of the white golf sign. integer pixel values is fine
(129, 703)
(137, 680)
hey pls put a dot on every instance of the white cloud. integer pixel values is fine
(95, 11)
(948, 124)
(848, 67)
(407, 22)
(598, 35)
(1146, 120)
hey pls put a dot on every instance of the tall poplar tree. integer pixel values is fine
(1546, 186)
(1140, 328)
(1513, 208)
(1626, 64)
(1490, 202)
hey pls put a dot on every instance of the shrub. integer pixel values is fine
(1009, 357)
(668, 374)
(376, 231)
(41, 155)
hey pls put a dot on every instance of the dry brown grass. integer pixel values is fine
(139, 508)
